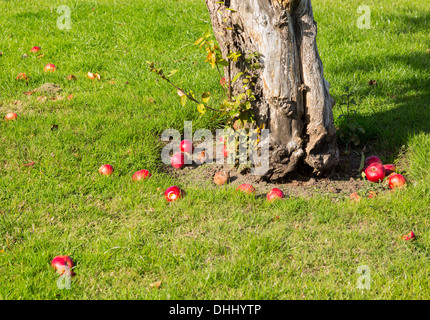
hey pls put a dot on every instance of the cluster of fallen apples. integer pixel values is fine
(374, 170)
(50, 67)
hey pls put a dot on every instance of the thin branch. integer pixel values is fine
(188, 96)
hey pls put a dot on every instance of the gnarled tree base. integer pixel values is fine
(293, 99)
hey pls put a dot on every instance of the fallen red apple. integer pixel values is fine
(106, 169)
(396, 181)
(173, 193)
(50, 68)
(224, 151)
(11, 116)
(375, 172)
(274, 194)
(221, 177)
(141, 175)
(246, 188)
(370, 160)
(354, 196)
(409, 236)
(372, 194)
(389, 168)
(178, 160)
(21, 76)
(59, 263)
(186, 146)
(35, 49)
(71, 77)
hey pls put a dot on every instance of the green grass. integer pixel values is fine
(213, 244)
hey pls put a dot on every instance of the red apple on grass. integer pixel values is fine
(178, 160)
(22, 76)
(173, 193)
(396, 181)
(106, 169)
(50, 68)
(274, 194)
(59, 263)
(375, 172)
(372, 159)
(11, 116)
(246, 188)
(221, 177)
(141, 175)
(409, 236)
(35, 49)
(389, 168)
(187, 146)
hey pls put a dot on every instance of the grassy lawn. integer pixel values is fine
(214, 243)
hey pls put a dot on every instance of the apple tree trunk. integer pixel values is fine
(293, 99)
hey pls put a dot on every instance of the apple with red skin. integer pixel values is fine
(11, 116)
(246, 188)
(375, 172)
(275, 194)
(370, 160)
(178, 160)
(409, 236)
(172, 193)
(187, 146)
(106, 169)
(396, 181)
(35, 49)
(389, 168)
(224, 151)
(50, 68)
(59, 263)
(141, 175)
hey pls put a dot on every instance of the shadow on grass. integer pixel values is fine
(389, 130)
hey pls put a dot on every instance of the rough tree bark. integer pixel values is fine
(293, 99)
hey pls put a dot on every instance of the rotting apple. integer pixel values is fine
(11, 116)
(389, 168)
(375, 172)
(409, 236)
(275, 194)
(173, 193)
(246, 188)
(50, 68)
(221, 177)
(106, 169)
(396, 181)
(35, 49)
(141, 175)
(186, 146)
(62, 263)
(354, 196)
(201, 157)
(22, 76)
(178, 160)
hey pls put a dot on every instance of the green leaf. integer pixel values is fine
(206, 97)
(236, 77)
(201, 108)
(171, 73)
(184, 100)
